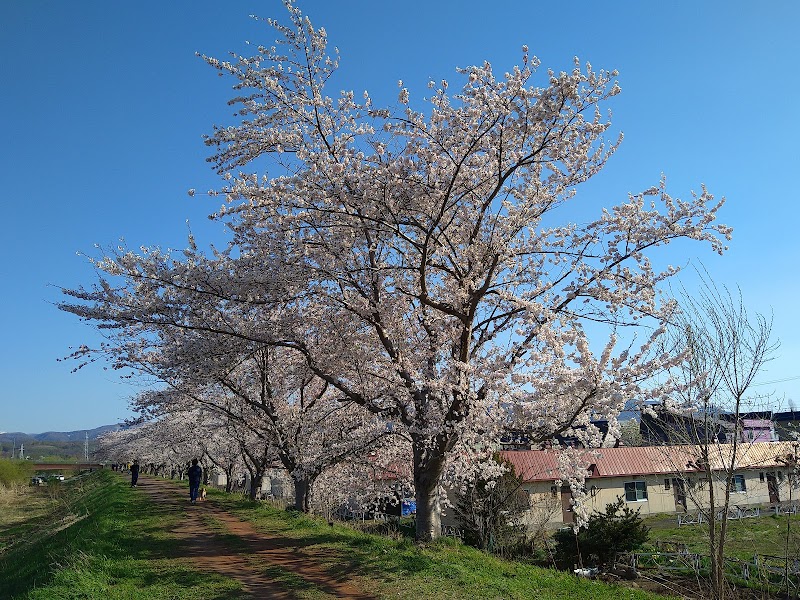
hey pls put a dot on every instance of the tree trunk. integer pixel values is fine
(713, 528)
(229, 479)
(255, 485)
(427, 472)
(302, 494)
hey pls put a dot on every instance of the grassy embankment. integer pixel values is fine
(93, 538)
(397, 568)
(114, 546)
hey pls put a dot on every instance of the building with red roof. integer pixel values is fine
(657, 479)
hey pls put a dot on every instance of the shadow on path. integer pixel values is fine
(255, 559)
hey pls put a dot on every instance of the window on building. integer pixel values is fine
(666, 484)
(635, 491)
(737, 484)
(761, 477)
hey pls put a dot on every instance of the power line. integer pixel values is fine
(778, 380)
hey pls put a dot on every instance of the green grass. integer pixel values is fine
(765, 535)
(14, 472)
(121, 550)
(397, 568)
(118, 550)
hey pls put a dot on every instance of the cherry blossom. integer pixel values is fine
(423, 261)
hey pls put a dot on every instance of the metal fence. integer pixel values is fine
(739, 512)
(785, 509)
(769, 571)
(454, 532)
(735, 513)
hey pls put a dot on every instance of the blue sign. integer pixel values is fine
(408, 507)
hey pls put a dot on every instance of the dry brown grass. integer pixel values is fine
(10, 499)
(20, 504)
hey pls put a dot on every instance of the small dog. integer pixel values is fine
(202, 493)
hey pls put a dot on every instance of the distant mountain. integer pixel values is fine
(58, 436)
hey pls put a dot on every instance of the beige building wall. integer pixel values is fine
(551, 505)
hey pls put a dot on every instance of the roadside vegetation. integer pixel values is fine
(91, 537)
(392, 566)
(116, 546)
(617, 529)
(20, 505)
(97, 540)
(14, 473)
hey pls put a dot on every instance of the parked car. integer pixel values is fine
(38, 481)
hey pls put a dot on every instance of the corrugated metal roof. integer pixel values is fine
(533, 465)
(542, 465)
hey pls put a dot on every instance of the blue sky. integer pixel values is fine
(104, 105)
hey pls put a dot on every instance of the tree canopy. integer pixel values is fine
(421, 262)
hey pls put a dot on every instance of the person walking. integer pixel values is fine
(195, 474)
(134, 473)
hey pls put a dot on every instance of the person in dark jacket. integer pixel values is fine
(195, 474)
(134, 473)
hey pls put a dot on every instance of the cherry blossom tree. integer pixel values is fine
(368, 481)
(270, 392)
(169, 323)
(204, 434)
(437, 233)
(163, 447)
(177, 431)
(120, 446)
(425, 260)
(222, 450)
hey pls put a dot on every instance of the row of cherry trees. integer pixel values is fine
(165, 446)
(401, 281)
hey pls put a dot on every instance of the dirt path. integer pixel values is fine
(252, 556)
